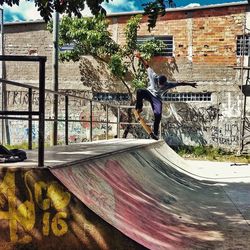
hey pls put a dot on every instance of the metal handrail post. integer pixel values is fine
(66, 120)
(55, 74)
(118, 122)
(55, 123)
(91, 120)
(107, 121)
(41, 112)
(30, 120)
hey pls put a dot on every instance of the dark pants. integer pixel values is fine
(156, 104)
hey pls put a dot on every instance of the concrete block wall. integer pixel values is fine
(33, 38)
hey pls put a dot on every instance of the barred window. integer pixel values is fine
(187, 97)
(167, 41)
(243, 45)
(99, 96)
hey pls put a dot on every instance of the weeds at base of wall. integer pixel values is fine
(210, 153)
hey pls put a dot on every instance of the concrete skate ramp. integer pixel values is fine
(149, 194)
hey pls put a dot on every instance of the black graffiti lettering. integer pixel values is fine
(15, 95)
(25, 99)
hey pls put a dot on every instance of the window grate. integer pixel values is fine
(243, 45)
(167, 41)
(99, 96)
(187, 97)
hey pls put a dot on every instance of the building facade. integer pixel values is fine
(208, 45)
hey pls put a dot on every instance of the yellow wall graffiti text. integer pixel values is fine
(48, 197)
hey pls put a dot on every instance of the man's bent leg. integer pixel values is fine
(157, 109)
(157, 124)
(140, 95)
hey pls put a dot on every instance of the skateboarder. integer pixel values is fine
(157, 86)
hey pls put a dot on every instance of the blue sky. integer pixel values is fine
(27, 11)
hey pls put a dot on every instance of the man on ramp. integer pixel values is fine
(157, 86)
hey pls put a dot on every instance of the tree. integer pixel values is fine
(74, 7)
(154, 9)
(90, 36)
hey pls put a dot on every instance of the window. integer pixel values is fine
(110, 96)
(187, 97)
(167, 40)
(243, 45)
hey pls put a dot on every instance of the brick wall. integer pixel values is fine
(204, 40)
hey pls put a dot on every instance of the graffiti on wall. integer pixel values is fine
(21, 98)
(200, 115)
(19, 131)
(228, 134)
(78, 110)
(230, 105)
(99, 120)
(197, 122)
(47, 197)
(186, 122)
(204, 125)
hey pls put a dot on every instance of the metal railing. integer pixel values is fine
(30, 114)
(41, 110)
(40, 113)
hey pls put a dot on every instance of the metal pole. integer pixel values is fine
(55, 74)
(242, 80)
(5, 123)
(90, 121)
(244, 106)
(107, 121)
(118, 122)
(66, 120)
(41, 112)
(30, 119)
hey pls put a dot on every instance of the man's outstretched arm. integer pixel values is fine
(192, 84)
(144, 62)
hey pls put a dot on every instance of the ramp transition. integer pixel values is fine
(135, 197)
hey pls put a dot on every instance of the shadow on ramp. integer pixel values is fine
(148, 194)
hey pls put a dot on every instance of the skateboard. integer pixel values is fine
(148, 129)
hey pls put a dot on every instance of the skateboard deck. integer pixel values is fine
(147, 128)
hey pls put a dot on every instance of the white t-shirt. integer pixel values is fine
(153, 86)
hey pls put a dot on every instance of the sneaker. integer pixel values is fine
(153, 136)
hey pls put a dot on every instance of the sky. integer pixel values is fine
(26, 10)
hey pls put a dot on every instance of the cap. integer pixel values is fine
(162, 79)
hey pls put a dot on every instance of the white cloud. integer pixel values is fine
(191, 5)
(122, 5)
(86, 11)
(26, 9)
